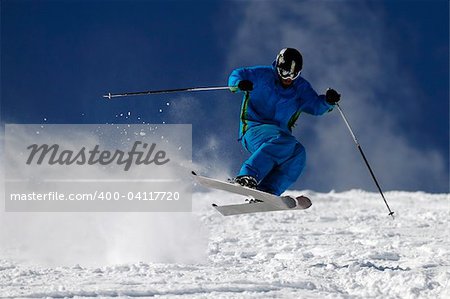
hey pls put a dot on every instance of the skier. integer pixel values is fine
(274, 97)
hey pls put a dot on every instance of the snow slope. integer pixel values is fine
(344, 246)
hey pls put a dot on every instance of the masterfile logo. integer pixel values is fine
(94, 168)
(54, 155)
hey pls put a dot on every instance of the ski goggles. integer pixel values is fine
(287, 74)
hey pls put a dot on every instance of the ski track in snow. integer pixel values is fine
(344, 246)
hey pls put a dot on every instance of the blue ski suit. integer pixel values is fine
(268, 113)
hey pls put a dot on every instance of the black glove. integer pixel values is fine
(332, 96)
(245, 85)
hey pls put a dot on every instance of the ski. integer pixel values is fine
(266, 202)
(257, 207)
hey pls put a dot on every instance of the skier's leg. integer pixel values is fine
(269, 147)
(285, 174)
(256, 140)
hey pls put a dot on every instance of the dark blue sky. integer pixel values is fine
(59, 57)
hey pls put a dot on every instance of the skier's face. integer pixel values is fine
(286, 82)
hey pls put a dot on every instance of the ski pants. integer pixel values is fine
(277, 159)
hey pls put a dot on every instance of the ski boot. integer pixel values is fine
(246, 181)
(249, 182)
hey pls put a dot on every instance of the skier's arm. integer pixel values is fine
(239, 80)
(313, 103)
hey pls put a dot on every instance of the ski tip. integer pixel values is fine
(214, 205)
(303, 202)
(193, 172)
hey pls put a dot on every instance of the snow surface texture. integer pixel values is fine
(344, 246)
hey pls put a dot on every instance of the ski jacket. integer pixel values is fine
(271, 103)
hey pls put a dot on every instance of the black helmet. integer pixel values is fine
(289, 63)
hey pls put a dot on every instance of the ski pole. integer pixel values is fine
(148, 92)
(391, 213)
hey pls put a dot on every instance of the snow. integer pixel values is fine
(344, 246)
